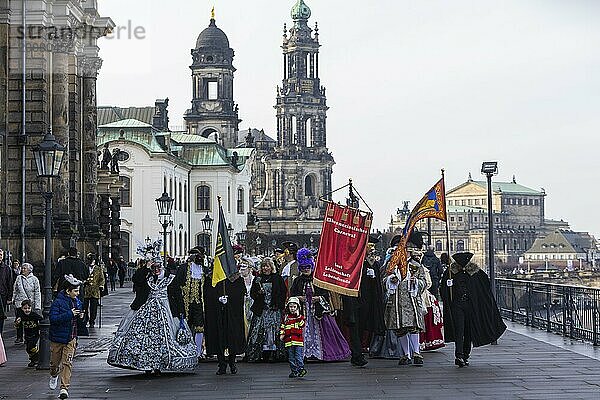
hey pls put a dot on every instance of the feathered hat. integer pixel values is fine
(305, 259)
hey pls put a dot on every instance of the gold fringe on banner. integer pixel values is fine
(335, 288)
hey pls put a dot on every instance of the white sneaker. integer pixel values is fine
(53, 382)
(63, 394)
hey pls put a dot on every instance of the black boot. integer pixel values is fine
(460, 362)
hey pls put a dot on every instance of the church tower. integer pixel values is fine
(214, 113)
(298, 170)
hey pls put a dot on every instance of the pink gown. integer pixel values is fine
(2, 352)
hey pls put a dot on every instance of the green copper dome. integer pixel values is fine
(300, 11)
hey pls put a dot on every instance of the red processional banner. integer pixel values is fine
(342, 249)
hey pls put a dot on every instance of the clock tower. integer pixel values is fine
(214, 113)
(298, 170)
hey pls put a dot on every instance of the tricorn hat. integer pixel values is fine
(291, 246)
(196, 250)
(395, 240)
(462, 258)
(374, 238)
(415, 240)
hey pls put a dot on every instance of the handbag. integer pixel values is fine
(184, 336)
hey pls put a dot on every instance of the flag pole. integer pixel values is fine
(447, 232)
(219, 200)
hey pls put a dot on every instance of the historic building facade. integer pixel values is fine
(194, 171)
(214, 113)
(295, 172)
(518, 213)
(60, 47)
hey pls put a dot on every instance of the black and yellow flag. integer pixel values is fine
(225, 266)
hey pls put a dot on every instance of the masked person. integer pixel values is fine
(363, 315)
(471, 315)
(190, 276)
(323, 339)
(153, 336)
(224, 334)
(405, 309)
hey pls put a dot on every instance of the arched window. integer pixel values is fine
(185, 198)
(180, 196)
(125, 191)
(240, 201)
(204, 240)
(309, 185)
(460, 245)
(438, 245)
(125, 245)
(180, 252)
(203, 198)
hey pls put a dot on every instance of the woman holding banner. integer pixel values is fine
(322, 337)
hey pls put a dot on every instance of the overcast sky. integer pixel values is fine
(413, 85)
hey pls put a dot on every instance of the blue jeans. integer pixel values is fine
(296, 358)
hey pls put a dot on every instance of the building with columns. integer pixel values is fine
(295, 171)
(519, 219)
(59, 43)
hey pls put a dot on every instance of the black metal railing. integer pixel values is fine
(571, 311)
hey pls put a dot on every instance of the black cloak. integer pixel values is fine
(486, 324)
(224, 323)
(278, 295)
(366, 309)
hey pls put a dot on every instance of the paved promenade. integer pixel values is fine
(526, 364)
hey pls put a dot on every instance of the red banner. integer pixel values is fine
(342, 249)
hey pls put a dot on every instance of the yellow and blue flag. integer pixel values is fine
(432, 205)
(225, 266)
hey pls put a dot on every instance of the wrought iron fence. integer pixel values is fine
(571, 311)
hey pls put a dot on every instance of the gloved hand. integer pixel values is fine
(449, 283)
(371, 272)
(223, 299)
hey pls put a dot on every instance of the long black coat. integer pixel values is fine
(485, 321)
(278, 293)
(66, 266)
(366, 310)
(224, 323)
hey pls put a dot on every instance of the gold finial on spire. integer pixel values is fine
(212, 13)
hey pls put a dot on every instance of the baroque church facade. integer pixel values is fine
(49, 62)
(294, 172)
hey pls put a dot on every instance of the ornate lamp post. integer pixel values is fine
(165, 205)
(489, 169)
(241, 237)
(258, 243)
(229, 230)
(207, 223)
(48, 159)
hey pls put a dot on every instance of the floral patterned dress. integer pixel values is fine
(147, 338)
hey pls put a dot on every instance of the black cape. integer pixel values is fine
(366, 310)
(486, 324)
(224, 323)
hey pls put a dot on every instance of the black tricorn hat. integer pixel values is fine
(196, 250)
(291, 246)
(395, 240)
(462, 258)
(415, 239)
(374, 238)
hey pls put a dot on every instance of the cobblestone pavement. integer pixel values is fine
(524, 365)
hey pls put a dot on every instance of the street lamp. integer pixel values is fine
(48, 160)
(241, 237)
(207, 223)
(258, 243)
(165, 205)
(229, 230)
(489, 169)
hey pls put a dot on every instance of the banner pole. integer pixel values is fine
(447, 232)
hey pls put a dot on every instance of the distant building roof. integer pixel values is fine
(108, 114)
(562, 241)
(126, 123)
(186, 138)
(509, 188)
